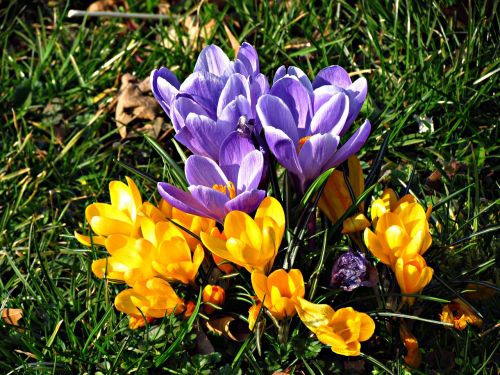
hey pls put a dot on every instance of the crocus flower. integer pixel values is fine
(207, 106)
(342, 330)
(154, 298)
(215, 189)
(351, 270)
(214, 295)
(336, 198)
(247, 242)
(412, 276)
(460, 315)
(279, 291)
(413, 356)
(303, 122)
(403, 232)
(253, 314)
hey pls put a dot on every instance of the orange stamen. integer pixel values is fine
(229, 188)
(302, 141)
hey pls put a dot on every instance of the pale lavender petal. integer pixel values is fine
(234, 110)
(352, 146)
(212, 59)
(207, 135)
(323, 94)
(181, 199)
(280, 73)
(273, 113)
(205, 88)
(296, 97)
(165, 86)
(331, 116)
(332, 75)
(250, 171)
(232, 151)
(182, 106)
(201, 170)
(211, 199)
(186, 138)
(315, 154)
(248, 55)
(299, 73)
(236, 85)
(283, 149)
(357, 95)
(247, 202)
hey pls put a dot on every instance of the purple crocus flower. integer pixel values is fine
(207, 106)
(303, 121)
(215, 190)
(351, 270)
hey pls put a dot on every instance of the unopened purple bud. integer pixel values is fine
(351, 270)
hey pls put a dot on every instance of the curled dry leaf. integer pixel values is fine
(12, 316)
(106, 5)
(134, 106)
(230, 327)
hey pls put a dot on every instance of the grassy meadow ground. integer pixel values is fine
(432, 70)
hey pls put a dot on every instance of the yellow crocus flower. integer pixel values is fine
(279, 291)
(336, 198)
(153, 298)
(247, 242)
(413, 356)
(412, 276)
(342, 330)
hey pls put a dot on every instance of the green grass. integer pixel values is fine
(424, 61)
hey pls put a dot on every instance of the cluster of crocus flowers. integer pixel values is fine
(400, 239)
(147, 249)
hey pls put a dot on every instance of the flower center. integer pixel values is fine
(301, 142)
(225, 189)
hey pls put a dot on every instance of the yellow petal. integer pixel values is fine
(270, 207)
(355, 223)
(259, 284)
(241, 226)
(313, 315)
(367, 327)
(87, 241)
(373, 244)
(279, 279)
(106, 210)
(105, 226)
(216, 245)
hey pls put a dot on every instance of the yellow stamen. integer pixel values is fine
(228, 188)
(301, 142)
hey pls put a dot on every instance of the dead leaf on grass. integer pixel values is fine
(12, 316)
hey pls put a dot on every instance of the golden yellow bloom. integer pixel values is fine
(413, 356)
(119, 217)
(336, 198)
(135, 322)
(250, 243)
(279, 291)
(402, 233)
(153, 298)
(342, 330)
(214, 294)
(458, 313)
(412, 276)
(253, 314)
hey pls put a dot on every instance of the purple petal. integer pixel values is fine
(274, 113)
(299, 73)
(247, 202)
(181, 107)
(165, 86)
(207, 136)
(296, 97)
(213, 60)
(236, 85)
(315, 154)
(280, 73)
(250, 171)
(248, 56)
(232, 152)
(332, 75)
(203, 171)
(357, 95)
(323, 94)
(233, 111)
(212, 200)
(181, 199)
(205, 89)
(331, 116)
(352, 146)
(283, 149)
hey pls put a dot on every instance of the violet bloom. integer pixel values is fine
(215, 190)
(207, 106)
(303, 121)
(351, 270)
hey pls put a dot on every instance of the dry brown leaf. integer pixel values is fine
(235, 45)
(230, 327)
(133, 104)
(12, 316)
(106, 5)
